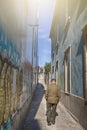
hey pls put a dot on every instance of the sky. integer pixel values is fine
(46, 10)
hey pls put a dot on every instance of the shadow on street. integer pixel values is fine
(30, 122)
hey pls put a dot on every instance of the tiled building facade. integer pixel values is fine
(69, 55)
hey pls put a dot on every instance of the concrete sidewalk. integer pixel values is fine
(36, 118)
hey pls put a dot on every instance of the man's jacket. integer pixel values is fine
(52, 94)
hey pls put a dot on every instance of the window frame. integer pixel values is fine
(57, 66)
(85, 59)
(66, 89)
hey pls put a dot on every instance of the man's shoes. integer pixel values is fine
(56, 114)
(49, 123)
(53, 122)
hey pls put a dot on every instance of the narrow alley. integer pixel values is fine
(36, 117)
(41, 41)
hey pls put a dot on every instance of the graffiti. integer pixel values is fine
(9, 50)
(2, 92)
(9, 63)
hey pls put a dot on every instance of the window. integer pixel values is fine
(67, 70)
(53, 56)
(56, 48)
(57, 72)
(85, 59)
(52, 69)
(66, 27)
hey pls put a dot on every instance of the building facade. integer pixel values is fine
(41, 75)
(69, 55)
(17, 72)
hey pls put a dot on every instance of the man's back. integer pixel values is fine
(53, 93)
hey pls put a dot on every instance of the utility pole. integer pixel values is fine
(34, 43)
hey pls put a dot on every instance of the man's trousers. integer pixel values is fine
(51, 112)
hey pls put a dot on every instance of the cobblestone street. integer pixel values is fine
(36, 118)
